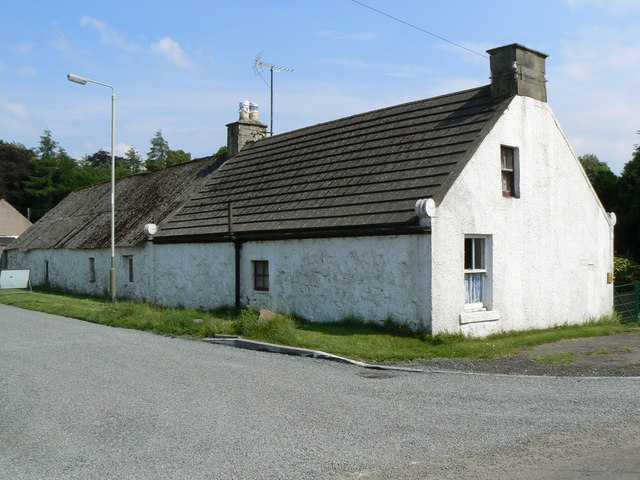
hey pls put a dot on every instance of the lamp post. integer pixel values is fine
(112, 273)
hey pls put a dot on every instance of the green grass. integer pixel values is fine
(126, 314)
(350, 337)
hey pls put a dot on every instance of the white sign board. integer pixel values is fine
(15, 279)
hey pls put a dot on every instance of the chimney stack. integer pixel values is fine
(517, 70)
(247, 129)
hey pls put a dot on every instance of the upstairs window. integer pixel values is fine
(261, 275)
(510, 174)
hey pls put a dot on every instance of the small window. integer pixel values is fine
(475, 272)
(261, 275)
(510, 174)
(46, 271)
(92, 270)
(128, 263)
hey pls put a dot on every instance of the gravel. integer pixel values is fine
(615, 355)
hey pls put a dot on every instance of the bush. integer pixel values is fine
(625, 270)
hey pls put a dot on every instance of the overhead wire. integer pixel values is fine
(420, 29)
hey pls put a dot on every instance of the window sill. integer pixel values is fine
(479, 316)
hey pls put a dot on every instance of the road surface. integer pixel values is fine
(79, 400)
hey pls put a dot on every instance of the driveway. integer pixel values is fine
(79, 400)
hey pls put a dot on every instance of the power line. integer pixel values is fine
(421, 29)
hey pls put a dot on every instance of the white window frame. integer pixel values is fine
(478, 265)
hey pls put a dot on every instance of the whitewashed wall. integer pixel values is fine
(551, 247)
(374, 278)
(198, 275)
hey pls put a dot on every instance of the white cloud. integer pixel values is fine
(23, 48)
(593, 90)
(121, 148)
(170, 49)
(108, 36)
(18, 110)
(363, 36)
(27, 70)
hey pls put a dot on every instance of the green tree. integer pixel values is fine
(628, 211)
(133, 160)
(604, 181)
(159, 153)
(177, 156)
(15, 168)
(55, 174)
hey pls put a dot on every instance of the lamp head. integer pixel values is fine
(77, 79)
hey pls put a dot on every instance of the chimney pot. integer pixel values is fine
(246, 130)
(253, 111)
(244, 110)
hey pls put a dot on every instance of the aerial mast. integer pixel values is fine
(257, 67)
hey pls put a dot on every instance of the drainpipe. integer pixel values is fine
(425, 210)
(238, 254)
(237, 247)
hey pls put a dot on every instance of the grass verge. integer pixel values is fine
(350, 338)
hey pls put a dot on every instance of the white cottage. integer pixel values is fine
(467, 212)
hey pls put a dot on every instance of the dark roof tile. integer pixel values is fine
(360, 171)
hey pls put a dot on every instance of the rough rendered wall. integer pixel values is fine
(373, 278)
(198, 275)
(195, 274)
(551, 247)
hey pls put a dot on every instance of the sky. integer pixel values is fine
(183, 67)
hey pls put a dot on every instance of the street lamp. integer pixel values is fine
(112, 273)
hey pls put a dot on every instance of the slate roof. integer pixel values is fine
(363, 172)
(83, 218)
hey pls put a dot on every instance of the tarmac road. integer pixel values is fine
(79, 400)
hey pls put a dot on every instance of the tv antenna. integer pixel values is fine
(257, 67)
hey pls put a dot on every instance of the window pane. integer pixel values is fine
(478, 257)
(507, 182)
(260, 275)
(507, 158)
(473, 287)
(468, 253)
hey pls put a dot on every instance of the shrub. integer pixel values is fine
(625, 270)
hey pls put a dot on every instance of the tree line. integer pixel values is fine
(34, 180)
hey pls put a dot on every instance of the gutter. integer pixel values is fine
(381, 230)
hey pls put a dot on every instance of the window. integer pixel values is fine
(475, 273)
(261, 275)
(510, 174)
(46, 271)
(92, 270)
(128, 262)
